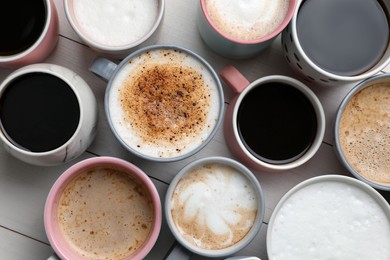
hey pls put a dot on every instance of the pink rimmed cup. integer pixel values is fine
(61, 246)
(231, 47)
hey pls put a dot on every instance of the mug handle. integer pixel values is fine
(178, 253)
(233, 78)
(103, 68)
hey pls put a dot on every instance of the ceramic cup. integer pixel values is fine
(362, 130)
(342, 55)
(29, 34)
(225, 42)
(275, 123)
(163, 103)
(116, 27)
(322, 212)
(48, 114)
(125, 198)
(214, 207)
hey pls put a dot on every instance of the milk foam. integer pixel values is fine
(330, 220)
(104, 214)
(247, 19)
(160, 146)
(115, 22)
(214, 206)
(364, 132)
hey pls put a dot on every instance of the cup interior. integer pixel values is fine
(88, 37)
(221, 161)
(52, 227)
(318, 130)
(287, 19)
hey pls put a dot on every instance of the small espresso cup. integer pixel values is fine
(48, 114)
(362, 131)
(242, 29)
(275, 123)
(214, 207)
(116, 27)
(29, 32)
(103, 208)
(333, 48)
(163, 103)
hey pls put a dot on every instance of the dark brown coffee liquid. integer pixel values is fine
(39, 112)
(21, 24)
(276, 122)
(344, 37)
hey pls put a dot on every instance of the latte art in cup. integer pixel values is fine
(164, 103)
(247, 19)
(214, 206)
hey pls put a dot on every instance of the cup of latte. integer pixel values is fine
(103, 208)
(335, 42)
(115, 27)
(275, 123)
(241, 29)
(330, 217)
(163, 103)
(29, 32)
(362, 131)
(214, 207)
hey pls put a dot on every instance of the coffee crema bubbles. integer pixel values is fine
(214, 206)
(364, 132)
(164, 103)
(247, 19)
(105, 214)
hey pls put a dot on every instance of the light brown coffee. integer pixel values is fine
(364, 132)
(214, 206)
(104, 214)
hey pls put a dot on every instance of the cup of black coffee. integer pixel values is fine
(29, 31)
(48, 114)
(334, 42)
(275, 123)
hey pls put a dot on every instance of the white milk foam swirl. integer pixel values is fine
(115, 22)
(247, 19)
(330, 220)
(214, 206)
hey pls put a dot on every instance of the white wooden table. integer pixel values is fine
(23, 188)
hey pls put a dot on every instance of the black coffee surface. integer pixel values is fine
(276, 122)
(21, 24)
(39, 112)
(344, 37)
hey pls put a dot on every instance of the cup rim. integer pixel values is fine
(270, 36)
(51, 227)
(205, 64)
(113, 48)
(43, 68)
(318, 179)
(381, 63)
(317, 106)
(260, 203)
(20, 55)
(362, 85)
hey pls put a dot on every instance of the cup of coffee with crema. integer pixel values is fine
(48, 114)
(116, 27)
(275, 123)
(29, 32)
(242, 29)
(103, 208)
(163, 103)
(362, 131)
(214, 207)
(330, 217)
(338, 41)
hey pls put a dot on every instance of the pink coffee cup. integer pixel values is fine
(62, 245)
(45, 42)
